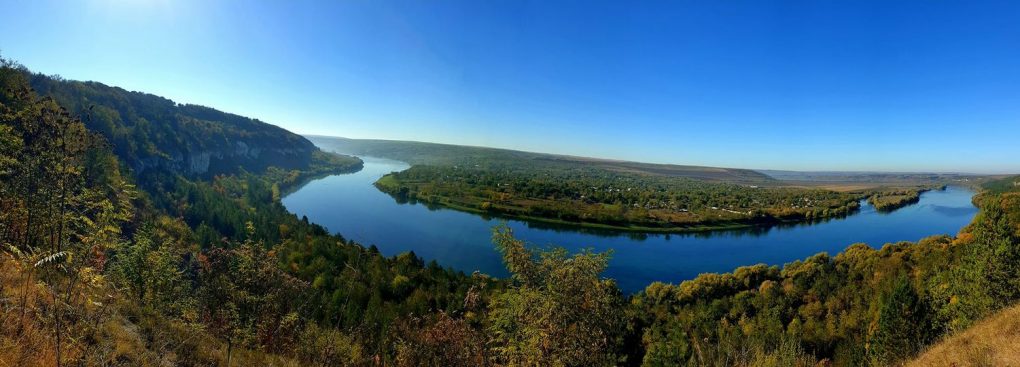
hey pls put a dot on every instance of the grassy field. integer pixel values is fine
(995, 341)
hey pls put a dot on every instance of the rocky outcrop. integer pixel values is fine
(212, 162)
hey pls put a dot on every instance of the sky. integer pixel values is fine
(799, 85)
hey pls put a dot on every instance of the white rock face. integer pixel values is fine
(200, 162)
(240, 153)
(241, 148)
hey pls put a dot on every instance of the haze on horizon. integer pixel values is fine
(800, 85)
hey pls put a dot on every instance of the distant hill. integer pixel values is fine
(446, 154)
(1007, 184)
(870, 177)
(150, 132)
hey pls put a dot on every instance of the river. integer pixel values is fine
(350, 205)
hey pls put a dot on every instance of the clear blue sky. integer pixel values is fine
(808, 85)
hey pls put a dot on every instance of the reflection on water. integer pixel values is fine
(350, 205)
(959, 211)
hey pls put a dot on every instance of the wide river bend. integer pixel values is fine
(348, 204)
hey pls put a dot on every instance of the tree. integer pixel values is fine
(247, 299)
(903, 325)
(997, 233)
(558, 310)
(440, 340)
(150, 266)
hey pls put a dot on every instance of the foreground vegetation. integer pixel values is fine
(106, 265)
(994, 341)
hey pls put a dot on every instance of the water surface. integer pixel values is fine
(349, 205)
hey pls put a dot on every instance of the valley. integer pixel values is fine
(466, 183)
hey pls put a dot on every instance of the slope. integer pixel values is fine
(150, 132)
(994, 341)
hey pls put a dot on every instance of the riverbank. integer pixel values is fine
(728, 226)
(618, 217)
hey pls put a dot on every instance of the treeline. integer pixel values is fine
(598, 196)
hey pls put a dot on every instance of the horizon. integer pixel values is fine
(861, 87)
(676, 164)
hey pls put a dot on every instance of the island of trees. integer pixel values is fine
(109, 260)
(888, 201)
(597, 197)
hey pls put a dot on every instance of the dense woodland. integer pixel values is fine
(150, 132)
(598, 196)
(107, 264)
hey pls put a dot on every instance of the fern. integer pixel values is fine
(51, 259)
(14, 252)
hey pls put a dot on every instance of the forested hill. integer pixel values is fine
(151, 132)
(420, 153)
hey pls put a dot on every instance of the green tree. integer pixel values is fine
(558, 310)
(150, 267)
(903, 325)
(667, 345)
(997, 233)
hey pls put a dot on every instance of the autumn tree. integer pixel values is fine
(558, 311)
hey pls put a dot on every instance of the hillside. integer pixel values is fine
(994, 341)
(178, 270)
(416, 153)
(150, 132)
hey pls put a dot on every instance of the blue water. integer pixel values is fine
(349, 205)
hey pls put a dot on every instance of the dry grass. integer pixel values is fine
(25, 338)
(118, 334)
(995, 341)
